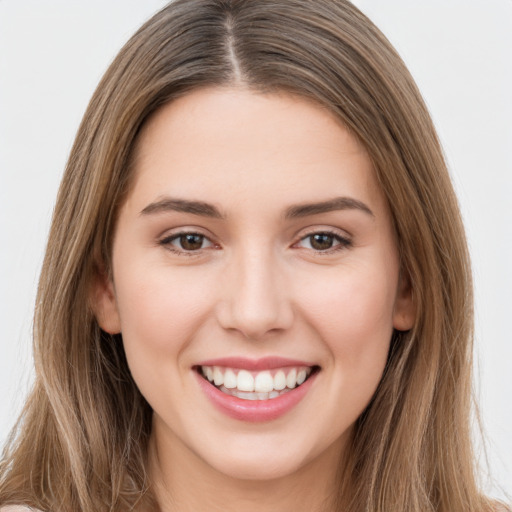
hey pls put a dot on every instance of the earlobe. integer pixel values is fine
(404, 313)
(104, 303)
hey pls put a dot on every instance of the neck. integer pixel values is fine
(182, 482)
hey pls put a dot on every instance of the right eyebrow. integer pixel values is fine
(167, 204)
(338, 203)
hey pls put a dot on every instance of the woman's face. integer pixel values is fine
(255, 249)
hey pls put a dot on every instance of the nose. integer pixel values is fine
(255, 296)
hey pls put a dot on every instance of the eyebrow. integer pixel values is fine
(338, 203)
(167, 204)
(203, 209)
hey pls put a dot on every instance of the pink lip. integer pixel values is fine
(265, 363)
(254, 410)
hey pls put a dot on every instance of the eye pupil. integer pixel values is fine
(191, 242)
(321, 241)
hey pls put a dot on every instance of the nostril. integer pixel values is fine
(255, 303)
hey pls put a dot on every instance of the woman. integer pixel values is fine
(251, 295)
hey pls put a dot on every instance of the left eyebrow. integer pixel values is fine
(338, 203)
(168, 204)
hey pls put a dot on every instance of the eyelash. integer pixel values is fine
(167, 243)
(342, 242)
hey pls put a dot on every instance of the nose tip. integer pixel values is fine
(255, 301)
(256, 319)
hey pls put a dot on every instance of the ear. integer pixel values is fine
(103, 301)
(404, 313)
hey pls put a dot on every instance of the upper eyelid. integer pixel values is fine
(340, 239)
(187, 230)
(325, 232)
(319, 230)
(174, 236)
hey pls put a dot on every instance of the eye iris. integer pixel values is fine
(191, 242)
(321, 241)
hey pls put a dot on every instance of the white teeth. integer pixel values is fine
(230, 379)
(245, 381)
(291, 380)
(247, 395)
(279, 380)
(256, 385)
(264, 382)
(218, 376)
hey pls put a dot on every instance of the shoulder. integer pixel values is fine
(17, 508)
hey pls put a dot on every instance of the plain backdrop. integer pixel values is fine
(53, 53)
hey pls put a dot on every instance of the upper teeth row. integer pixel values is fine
(261, 382)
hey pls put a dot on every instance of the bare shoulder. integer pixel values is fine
(17, 508)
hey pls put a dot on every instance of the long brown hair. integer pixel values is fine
(81, 442)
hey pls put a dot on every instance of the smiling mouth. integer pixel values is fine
(256, 385)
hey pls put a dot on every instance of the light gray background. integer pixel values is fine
(53, 52)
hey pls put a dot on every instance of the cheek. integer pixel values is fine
(350, 310)
(160, 311)
(353, 313)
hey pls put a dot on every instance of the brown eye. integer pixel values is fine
(186, 242)
(191, 241)
(321, 241)
(324, 242)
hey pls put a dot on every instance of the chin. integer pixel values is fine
(267, 459)
(257, 469)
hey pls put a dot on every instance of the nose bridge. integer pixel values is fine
(255, 297)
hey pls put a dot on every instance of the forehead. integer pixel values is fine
(234, 143)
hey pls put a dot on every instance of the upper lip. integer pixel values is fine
(263, 363)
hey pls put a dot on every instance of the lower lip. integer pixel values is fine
(255, 410)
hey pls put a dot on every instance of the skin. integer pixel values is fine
(257, 286)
